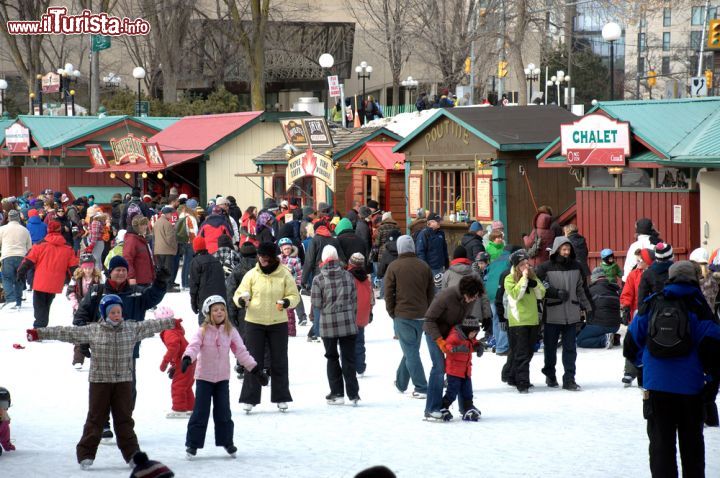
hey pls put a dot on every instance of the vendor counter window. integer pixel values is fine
(302, 188)
(639, 178)
(450, 191)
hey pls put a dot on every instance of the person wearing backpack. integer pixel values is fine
(186, 228)
(653, 279)
(676, 341)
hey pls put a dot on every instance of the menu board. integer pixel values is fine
(484, 198)
(414, 194)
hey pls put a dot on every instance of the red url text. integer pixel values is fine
(57, 22)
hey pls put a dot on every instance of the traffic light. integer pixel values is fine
(502, 69)
(709, 78)
(713, 38)
(467, 65)
(652, 78)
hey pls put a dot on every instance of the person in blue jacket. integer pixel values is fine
(431, 246)
(677, 386)
(35, 226)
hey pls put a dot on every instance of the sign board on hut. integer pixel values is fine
(50, 83)
(595, 140)
(17, 138)
(128, 149)
(310, 163)
(307, 132)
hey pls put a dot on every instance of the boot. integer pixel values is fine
(292, 331)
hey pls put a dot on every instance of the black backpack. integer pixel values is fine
(669, 329)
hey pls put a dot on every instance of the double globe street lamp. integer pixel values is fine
(363, 71)
(67, 75)
(532, 73)
(326, 62)
(409, 84)
(558, 79)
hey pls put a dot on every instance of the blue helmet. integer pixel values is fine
(605, 253)
(285, 241)
(108, 301)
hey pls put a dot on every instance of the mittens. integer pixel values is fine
(186, 361)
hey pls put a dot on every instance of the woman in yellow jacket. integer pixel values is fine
(266, 291)
(523, 291)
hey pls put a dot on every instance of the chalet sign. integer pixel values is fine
(17, 138)
(128, 149)
(310, 164)
(595, 140)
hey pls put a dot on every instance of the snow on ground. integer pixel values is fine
(598, 432)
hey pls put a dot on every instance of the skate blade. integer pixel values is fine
(181, 415)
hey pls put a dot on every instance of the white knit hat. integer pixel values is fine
(329, 252)
(700, 256)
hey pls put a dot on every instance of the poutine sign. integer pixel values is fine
(595, 140)
(310, 164)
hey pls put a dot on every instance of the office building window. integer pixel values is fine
(666, 41)
(697, 15)
(665, 68)
(667, 21)
(642, 42)
(695, 38)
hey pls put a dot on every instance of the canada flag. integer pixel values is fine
(309, 163)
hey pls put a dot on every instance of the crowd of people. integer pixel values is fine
(246, 272)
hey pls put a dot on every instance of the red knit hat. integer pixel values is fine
(199, 244)
(54, 226)
(32, 212)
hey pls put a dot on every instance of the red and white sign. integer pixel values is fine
(334, 85)
(97, 157)
(595, 140)
(17, 138)
(50, 83)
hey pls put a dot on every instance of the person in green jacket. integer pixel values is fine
(523, 290)
(496, 245)
(117, 250)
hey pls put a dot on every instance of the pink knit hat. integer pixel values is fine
(164, 312)
(497, 225)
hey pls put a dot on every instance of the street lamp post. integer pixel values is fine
(326, 62)
(409, 84)
(3, 87)
(363, 71)
(138, 73)
(557, 80)
(38, 77)
(612, 32)
(67, 75)
(532, 73)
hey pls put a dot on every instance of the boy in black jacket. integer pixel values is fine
(604, 321)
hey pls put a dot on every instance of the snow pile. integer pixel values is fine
(598, 432)
(403, 123)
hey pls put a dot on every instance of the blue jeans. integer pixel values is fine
(460, 388)
(315, 329)
(187, 253)
(360, 364)
(595, 336)
(13, 287)
(502, 344)
(378, 281)
(219, 394)
(437, 377)
(551, 335)
(409, 333)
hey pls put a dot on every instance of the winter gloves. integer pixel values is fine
(282, 304)
(479, 349)
(171, 372)
(261, 376)
(441, 343)
(186, 361)
(32, 335)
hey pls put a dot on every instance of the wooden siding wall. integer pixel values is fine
(10, 184)
(607, 220)
(59, 179)
(551, 187)
(395, 200)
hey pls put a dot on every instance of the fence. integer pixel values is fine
(388, 111)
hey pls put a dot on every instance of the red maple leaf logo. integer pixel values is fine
(309, 163)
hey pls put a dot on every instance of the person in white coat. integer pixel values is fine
(645, 238)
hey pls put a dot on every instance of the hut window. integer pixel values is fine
(672, 178)
(445, 188)
(278, 186)
(635, 178)
(599, 177)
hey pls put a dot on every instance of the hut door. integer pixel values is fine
(372, 188)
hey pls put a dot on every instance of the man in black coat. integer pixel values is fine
(350, 243)
(233, 209)
(472, 241)
(323, 237)
(579, 246)
(604, 321)
(654, 278)
(207, 277)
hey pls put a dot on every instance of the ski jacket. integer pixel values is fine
(265, 290)
(211, 346)
(141, 265)
(365, 295)
(653, 279)
(629, 294)
(605, 297)
(473, 244)
(207, 278)
(53, 260)
(541, 228)
(522, 300)
(37, 229)
(334, 295)
(431, 247)
(447, 310)
(409, 287)
(459, 364)
(176, 343)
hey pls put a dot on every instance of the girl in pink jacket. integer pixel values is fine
(210, 347)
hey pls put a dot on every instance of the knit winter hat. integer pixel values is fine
(146, 468)
(225, 241)
(115, 262)
(307, 211)
(324, 208)
(475, 227)
(343, 225)
(471, 322)
(644, 226)
(247, 249)
(32, 212)
(387, 215)
(221, 201)
(460, 253)
(597, 274)
(683, 271)
(648, 256)
(372, 204)
(199, 244)
(700, 256)
(405, 244)
(54, 227)
(498, 225)
(164, 312)
(108, 302)
(518, 256)
(191, 203)
(663, 251)
(87, 259)
(120, 236)
(267, 249)
(364, 212)
(329, 253)
(13, 215)
(357, 259)
(270, 204)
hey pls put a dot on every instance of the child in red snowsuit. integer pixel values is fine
(459, 347)
(181, 390)
(5, 421)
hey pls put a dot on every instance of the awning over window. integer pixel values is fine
(103, 194)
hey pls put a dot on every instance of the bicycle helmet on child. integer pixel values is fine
(108, 301)
(210, 301)
(285, 241)
(605, 253)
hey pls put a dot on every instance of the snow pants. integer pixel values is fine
(5, 436)
(516, 370)
(41, 308)
(341, 366)
(276, 338)
(460, 388)
(219, 394)
(106, 398)
(181, 390)
(671, 415)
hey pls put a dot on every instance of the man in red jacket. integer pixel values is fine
(53, 261)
